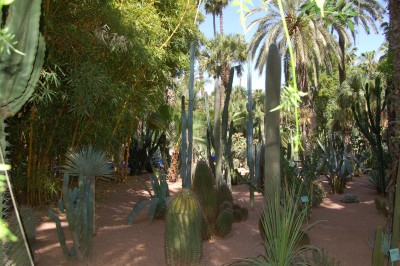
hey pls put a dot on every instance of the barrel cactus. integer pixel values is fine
(183, 242)
(203, 186)
(224, 194)
(223, 224)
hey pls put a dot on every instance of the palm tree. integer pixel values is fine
(223, 52)
(368, 12)
(215, 7)
(311, 41)
(368, 62)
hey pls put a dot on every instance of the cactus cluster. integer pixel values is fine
(239, 214)
(77, 204)
(183, 241)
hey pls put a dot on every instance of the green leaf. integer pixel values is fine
(5, 2)
(153, 207)
(5, 167)
(138, 207)
(320, 4)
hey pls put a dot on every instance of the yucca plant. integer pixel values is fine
(90, 163)
(158, 199)
(282, 226)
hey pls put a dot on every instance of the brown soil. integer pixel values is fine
(345, 230)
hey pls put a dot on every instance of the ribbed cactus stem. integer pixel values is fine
(217, 134)
(190, 118)
(184, 145)
(249, 133)
(223, 224)
(183, 225)
(272, 169)
(203, 186)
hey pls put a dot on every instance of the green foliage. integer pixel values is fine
(203, 186)
(158, 199)
(88, 161)
(223, 224)
(284, 236)
(78, 205)
(183, 240)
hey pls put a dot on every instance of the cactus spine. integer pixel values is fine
(78, 206)
(203, 186)
(272, 169)
(183, 224)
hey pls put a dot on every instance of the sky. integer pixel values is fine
(232, 25)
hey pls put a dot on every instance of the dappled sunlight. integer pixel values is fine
(328, 203)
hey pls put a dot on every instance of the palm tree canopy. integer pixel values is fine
(223, 52)
(311, 40)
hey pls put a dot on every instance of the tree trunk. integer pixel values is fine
(394, 127)
(342, 64)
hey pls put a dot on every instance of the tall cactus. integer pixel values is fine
(203, 186)
(183, 242)
(369, 123)
(19, 72)
(190, 119)
(78, 206)
(217, 133)
(184, 144)
(272, 169)
(249, 134)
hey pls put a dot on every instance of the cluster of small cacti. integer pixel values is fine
(17, 252)
(224, 194)
(183, 226)
(239, 214)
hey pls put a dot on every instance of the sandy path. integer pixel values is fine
(344, 231)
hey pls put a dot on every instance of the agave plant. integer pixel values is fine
(90, 163)
(338, 166)
(157, 201)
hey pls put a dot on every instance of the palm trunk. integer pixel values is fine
(173, 170)
(394, 128)
(342, 64)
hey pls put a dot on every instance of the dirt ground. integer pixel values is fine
(345, 230)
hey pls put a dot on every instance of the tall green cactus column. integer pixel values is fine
(249, 133)
(272, 168)
(20, 68)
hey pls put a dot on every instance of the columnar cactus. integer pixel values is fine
(20, 70)
(272, 168)
(183, 242)
(203, 186)
(77, 204)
